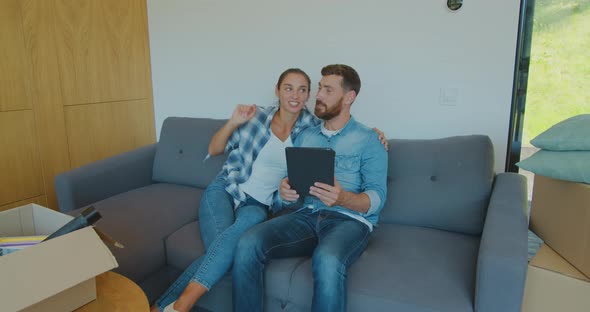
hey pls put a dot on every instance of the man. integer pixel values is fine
(333, 225)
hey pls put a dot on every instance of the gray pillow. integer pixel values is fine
(570, 166)
(572, 134)
(441, 183)
(182, 149)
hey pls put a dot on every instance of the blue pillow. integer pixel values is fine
(570, 166)
(572, 134)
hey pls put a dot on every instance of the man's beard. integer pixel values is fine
(328, 113)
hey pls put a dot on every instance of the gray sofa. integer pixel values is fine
(452, 235)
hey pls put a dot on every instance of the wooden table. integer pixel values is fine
(115, 292)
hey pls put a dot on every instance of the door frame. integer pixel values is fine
(520, 82)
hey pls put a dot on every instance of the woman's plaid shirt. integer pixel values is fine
(246, 142)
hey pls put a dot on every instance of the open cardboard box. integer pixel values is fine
(56, 275)
(560, 215)
(553, 284)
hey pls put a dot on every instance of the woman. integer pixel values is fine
(256, 138)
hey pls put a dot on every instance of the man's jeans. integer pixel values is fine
(333, 240)
(220, 236)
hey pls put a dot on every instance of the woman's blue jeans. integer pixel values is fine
(220, 234)
(333, 240)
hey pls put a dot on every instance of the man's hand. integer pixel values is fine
(329, 195)
(242, 114)
(287, 194)
(382, 138)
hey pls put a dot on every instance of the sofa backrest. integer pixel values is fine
(442, 183)
(181, 151)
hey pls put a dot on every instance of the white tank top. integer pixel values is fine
(269, 168)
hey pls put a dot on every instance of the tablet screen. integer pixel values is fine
(307, 165)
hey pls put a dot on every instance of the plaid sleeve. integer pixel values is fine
(309, 119)
(277, 203)
(233, 141)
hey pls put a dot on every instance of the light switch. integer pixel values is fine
(448, 96)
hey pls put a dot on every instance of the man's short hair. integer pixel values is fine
(350, 78)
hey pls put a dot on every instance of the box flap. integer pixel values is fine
(546, 258)
(41, 271)
(47, 221)
(31, 219)
(552, 284)
(69, 299)
(10, 221)
(548, 291)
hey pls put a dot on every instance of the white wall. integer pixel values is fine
(209, 55)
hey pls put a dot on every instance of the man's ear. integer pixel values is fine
(349, 97)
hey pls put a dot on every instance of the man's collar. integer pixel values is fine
(327, 132)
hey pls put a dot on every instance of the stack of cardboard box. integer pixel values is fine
(558, 276)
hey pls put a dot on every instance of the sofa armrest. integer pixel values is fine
(502, 259)
(105, 178)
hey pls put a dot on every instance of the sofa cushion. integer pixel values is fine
(277, 279)
(156, 211)
(184, 246)
(404, 268)
(431, 182)
(182, 149)
(157, 283)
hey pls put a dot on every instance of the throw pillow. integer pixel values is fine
(570, 166)
(572, 134)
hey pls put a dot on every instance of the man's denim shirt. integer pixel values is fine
(360, 166)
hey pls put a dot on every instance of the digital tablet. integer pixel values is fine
(306, 165)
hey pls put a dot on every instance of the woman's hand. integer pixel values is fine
(242, 114)
(382, 138)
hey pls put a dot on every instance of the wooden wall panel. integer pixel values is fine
(39, 200)
(91, 56)
(15, 69)
(38, 27)
(97, 131)
(103, 50)
(19, 160)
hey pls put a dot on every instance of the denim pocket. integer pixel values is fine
(348, 163)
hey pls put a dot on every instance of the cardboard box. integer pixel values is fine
(552, 284)
(56, 275)
(560, 215)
